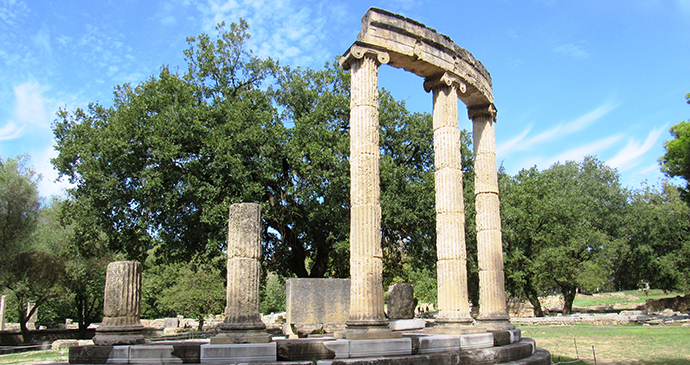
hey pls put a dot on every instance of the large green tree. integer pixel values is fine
(31, 267)
(676, 161)
(160, 167)
(657, 230)
(561, 229)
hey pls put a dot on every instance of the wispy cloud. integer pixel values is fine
(49, 185)
(30, 105)
(574, 50)
(628, 157)
(577, 153)
(291, 31)
(11, 11)
(522, 143)
(10, 131)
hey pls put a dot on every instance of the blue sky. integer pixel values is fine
(571, 78)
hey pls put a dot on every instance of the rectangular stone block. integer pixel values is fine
(406, 324)
(382, 347)
(99, 354)
(153, 354)
(317, 301)
(476, 341)
(239, 353)
(173, 322)
(438, 343)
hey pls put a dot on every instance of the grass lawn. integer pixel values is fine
(626, 344)
(632, 296)
(35, 357)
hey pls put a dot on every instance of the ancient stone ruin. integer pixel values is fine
(450, 72)
(121, 306)
(242, 317)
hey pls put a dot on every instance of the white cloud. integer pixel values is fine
(522, 143)
(49, 185)
(628, 157)
(504, 148)
(11, 11)
(578, 153)
(42, 41)
(30, 105)
(10, 131)
(574, 50)
(291, 31)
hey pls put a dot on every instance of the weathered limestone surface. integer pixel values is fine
(122, 296)
(424, 52)
(450, 207)
(317, 304)
(366, 318)
(2, 312)
(242, 317)
(493, 312)
(401, 301)
(451, 72)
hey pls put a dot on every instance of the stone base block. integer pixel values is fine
(346, 349)
(99, 354)
(521, 353)
(241, 336)
(450, 328)
(506, 337)
(153, 354)
(476, 341)
(495, 324)
(238, 353)
(406, 324)
(430, 344)
(304, 349)
(130, 335)
(368, 333)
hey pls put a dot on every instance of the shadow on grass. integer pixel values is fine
(666, 362)
(564, 360)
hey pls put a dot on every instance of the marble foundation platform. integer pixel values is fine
(505, 347)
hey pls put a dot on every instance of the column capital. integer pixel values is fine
(447, 79)
(482, 110)
(357, 52)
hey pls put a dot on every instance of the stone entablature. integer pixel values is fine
(421, 50)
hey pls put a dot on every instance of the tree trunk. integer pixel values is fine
(534, 300)
(23, 318)
(568, 298)
(296, 262)
(201, 324)
(321, 260)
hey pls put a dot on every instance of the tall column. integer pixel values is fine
(122, 297)
(2, 312)
(493, 313)
(451, 267)
(367, 318)
(243, 322)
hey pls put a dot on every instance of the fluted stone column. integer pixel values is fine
(242, 317)
(2, 312)
(121, 305)
(493, 313)
(367, 318)
(453, 304)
